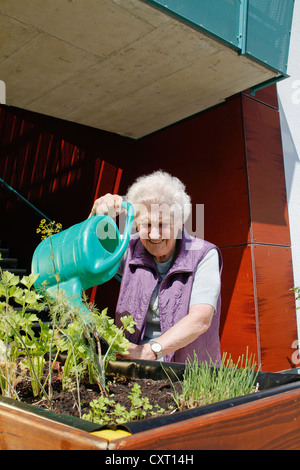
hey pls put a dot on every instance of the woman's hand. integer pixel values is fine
(110, 204)
(140, 351)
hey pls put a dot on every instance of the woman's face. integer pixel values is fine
(157, 231)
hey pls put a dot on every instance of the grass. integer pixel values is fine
(205, 383)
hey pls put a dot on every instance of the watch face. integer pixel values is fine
(156, 347)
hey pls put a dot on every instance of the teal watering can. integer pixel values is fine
(82, 256)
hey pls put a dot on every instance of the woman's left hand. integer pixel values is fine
(139, 351)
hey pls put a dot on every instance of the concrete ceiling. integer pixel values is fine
(116, 65)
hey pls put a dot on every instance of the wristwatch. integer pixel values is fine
(156, 348)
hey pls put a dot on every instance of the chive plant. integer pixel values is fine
(204, 383)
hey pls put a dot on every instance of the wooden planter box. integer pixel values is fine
(269, 419)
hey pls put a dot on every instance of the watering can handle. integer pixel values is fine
(128, 226)
(126, 235)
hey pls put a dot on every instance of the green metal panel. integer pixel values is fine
(268, 31)
(258, 28)
(220, 18)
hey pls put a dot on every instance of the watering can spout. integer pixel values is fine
(83, 256)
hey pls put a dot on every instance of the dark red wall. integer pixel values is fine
(60, 167)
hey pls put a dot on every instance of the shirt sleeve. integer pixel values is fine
(207, 283)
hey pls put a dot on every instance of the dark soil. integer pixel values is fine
(158, 392)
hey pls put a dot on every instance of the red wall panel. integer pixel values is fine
(270, 235)
(276, 318)
(238, 329)
(258, 310)
(59, 167)
(267, 190)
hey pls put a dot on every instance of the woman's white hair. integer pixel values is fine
(161, 188)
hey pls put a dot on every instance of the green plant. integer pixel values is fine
(205, 383)
(22, 351)
(16, 326)
(39, 349)
(48, 229)
(296, 290)
(20, 339)
(81, 332)
(85, 346)
(68, 333)
(105, 410)
(83, 327)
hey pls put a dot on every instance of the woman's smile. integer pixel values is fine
(155, 242)
(161, 249)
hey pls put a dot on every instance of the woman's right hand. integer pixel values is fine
(110, 204)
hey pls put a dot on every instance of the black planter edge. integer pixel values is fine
(68, 420)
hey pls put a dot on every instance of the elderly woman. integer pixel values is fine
(170, 280)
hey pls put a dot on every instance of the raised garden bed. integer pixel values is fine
(268, 419)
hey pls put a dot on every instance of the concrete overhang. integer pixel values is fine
(117, 65)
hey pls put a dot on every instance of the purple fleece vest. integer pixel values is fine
(139, 279)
